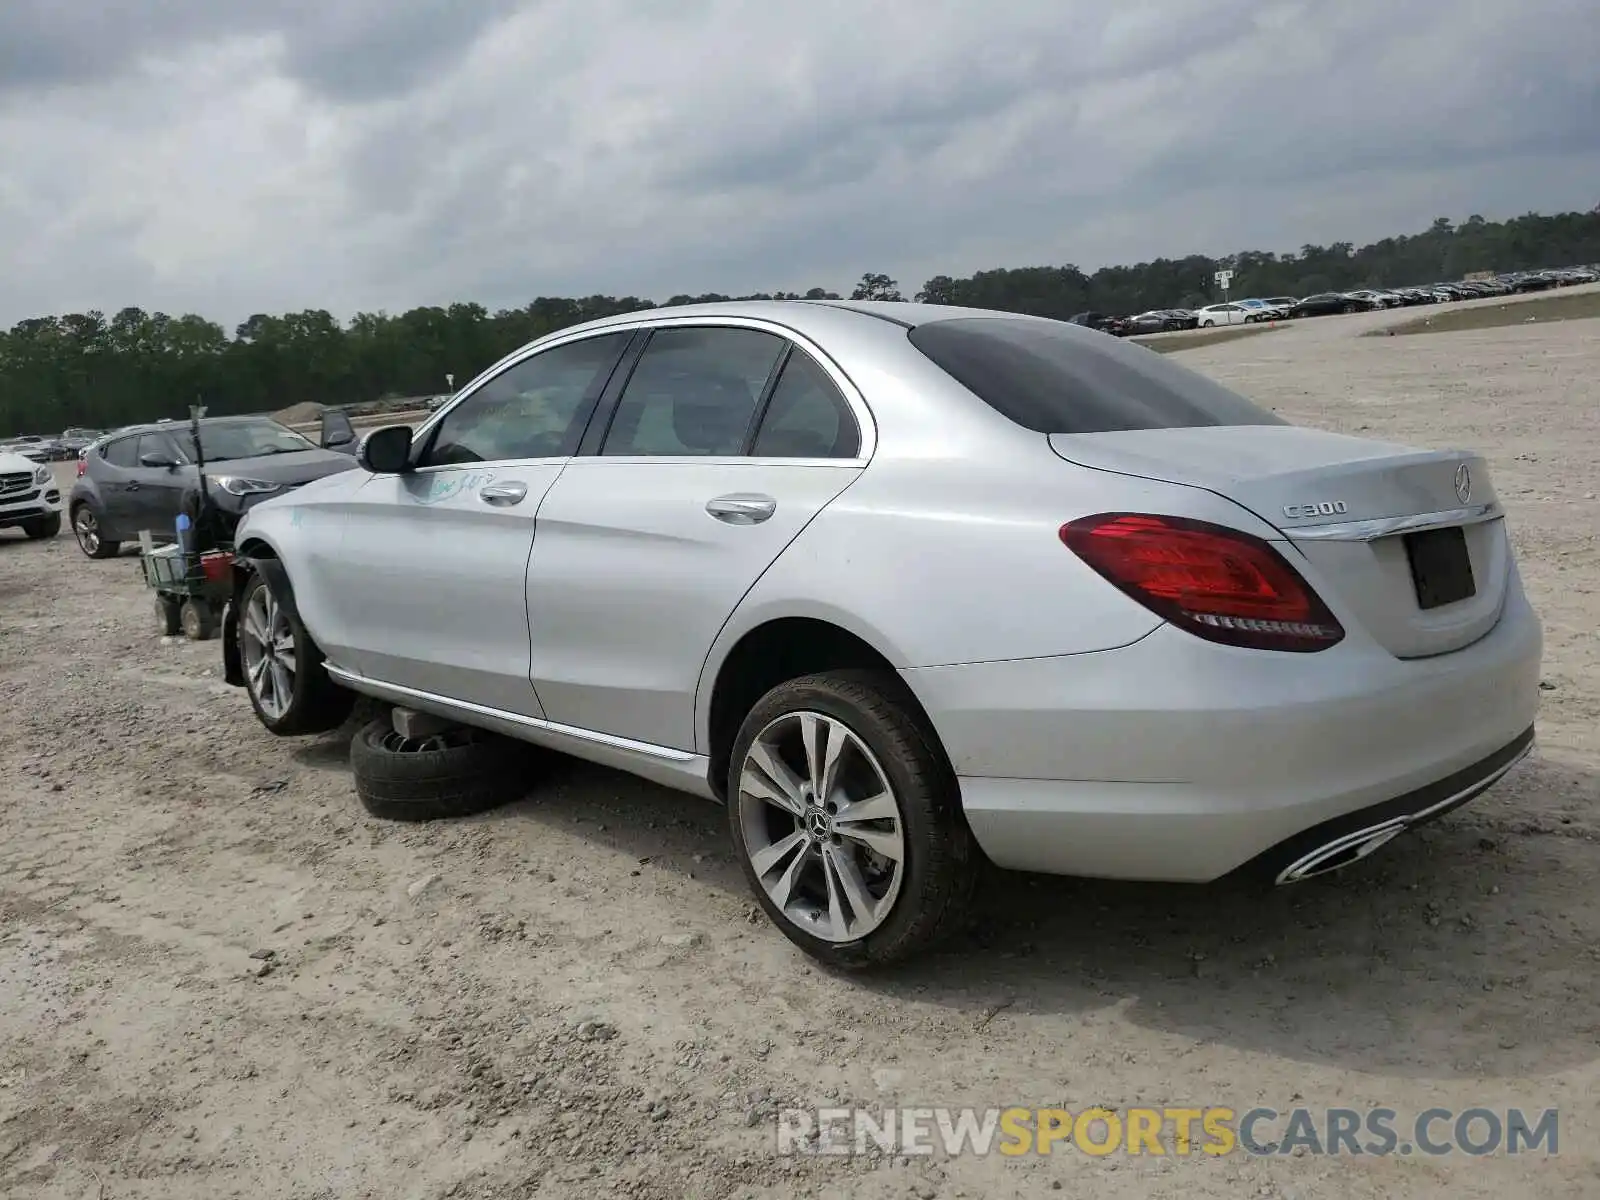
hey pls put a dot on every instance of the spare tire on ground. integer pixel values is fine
(453, 773)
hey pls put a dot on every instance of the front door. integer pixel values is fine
(161, 489)
(645, 549)
(429, 588)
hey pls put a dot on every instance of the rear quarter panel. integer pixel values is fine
(935, 563)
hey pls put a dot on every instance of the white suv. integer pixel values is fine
(30, 498)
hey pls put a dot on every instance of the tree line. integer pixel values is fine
(87, 369)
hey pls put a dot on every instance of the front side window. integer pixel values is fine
(124, 452)
(694, 392)
(535, 408)
(807, 416)
(1051, 377)
(153, 443)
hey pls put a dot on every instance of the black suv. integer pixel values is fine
(140, 477)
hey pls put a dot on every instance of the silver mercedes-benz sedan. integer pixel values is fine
(906, 586)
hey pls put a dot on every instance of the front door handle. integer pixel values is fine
(742, 508)
(133, 485)
(503, 494)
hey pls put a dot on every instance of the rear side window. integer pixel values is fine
(124, 452)
(693, 392)
(1053, 377)
(806, 417)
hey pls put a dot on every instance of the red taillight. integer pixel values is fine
(82, 466)
(1218, 583)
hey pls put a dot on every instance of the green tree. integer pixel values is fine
(876, 287)
(87, 369)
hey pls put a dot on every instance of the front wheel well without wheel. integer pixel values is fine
(774, 653)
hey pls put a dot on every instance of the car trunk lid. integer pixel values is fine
(1383, 526)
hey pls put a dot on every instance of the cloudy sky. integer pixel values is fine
(238, 156)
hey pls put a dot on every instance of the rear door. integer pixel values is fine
(428, 590)
(725, 441)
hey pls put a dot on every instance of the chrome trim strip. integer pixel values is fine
(1381, 527)
(402, 694)
(1393, 827)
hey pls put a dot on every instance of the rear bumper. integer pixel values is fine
(1177, 759)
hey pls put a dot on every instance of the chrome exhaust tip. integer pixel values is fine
(1341, 852)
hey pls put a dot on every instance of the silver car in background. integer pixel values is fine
(906, 586)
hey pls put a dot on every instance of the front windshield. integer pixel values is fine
(246, 439)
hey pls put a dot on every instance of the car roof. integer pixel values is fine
(809, 317)
(164, 426)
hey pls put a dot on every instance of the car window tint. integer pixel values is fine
(693, 391)
(124, 452)
(1052, 377)
(807, 417)
(152, 443)
(536, 408)
(233, 438)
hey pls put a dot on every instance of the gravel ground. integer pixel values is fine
(218, 977)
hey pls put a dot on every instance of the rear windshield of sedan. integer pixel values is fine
(1052, 377)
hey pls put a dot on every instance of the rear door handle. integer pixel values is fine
(133, 485)
(503, 495)
(742, 508)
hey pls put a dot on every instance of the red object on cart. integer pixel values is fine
(215, 565)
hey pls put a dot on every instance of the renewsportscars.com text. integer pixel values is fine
(1174, 1131)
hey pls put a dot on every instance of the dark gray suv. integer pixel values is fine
(139, 477)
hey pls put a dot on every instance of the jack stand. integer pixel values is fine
(414, 726)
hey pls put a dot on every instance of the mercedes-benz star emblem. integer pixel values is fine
(1463, 483)
(817, 823)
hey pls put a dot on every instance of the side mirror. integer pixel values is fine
(337, 432)
(386, 451)
(156, 461)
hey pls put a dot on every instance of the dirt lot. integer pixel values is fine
(571, 998)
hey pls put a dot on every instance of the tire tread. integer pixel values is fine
(429, 785)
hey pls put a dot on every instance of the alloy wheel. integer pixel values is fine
(822, 826)
(87, 530)
(266, 643)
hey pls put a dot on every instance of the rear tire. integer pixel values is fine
(289, 689)
(838, 873)
(86, 528)
(457, 773)
(42, 527)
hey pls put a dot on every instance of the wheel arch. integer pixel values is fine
(772, 652)
(251, 557)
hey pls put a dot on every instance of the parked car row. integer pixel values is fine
(58, 449)
(1285, 308)
(141, 476)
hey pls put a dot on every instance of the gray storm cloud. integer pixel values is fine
(229, 157)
